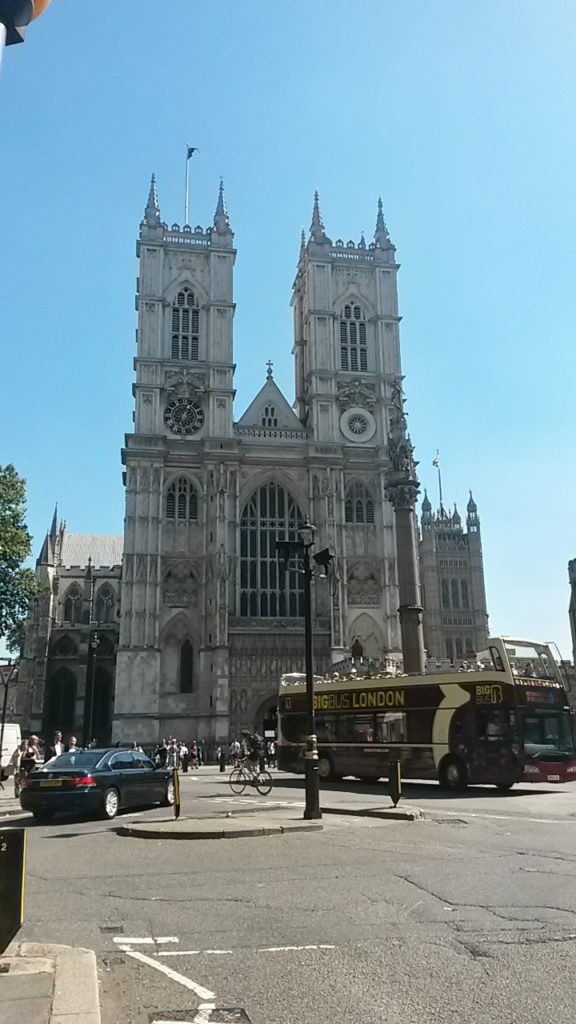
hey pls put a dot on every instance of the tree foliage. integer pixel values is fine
(17, 584)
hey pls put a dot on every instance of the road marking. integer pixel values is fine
(290, 949)
(203, 993)
(194, 952)
(148, 941)
(506, 817)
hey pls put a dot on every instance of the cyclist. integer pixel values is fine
(253, 747)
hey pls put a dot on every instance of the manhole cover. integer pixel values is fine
(112, 929)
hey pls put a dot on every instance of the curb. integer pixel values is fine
(218, 832)
(15, 813)
(390, 813)
(76, 998)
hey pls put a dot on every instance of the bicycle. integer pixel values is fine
(247, 774)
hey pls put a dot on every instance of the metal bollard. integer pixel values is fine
(176, 781)
(222, 762)
(395, 780)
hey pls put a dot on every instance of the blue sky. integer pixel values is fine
(460, 115)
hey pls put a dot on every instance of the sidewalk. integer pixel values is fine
(48, 984)
(9, 806)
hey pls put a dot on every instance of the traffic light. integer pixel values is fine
(16, 15)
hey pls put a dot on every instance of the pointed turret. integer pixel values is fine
(472, 520)
(221, 219)
(54, 526)
(471, 507)
(152, 211)
(456, 518)
(317, 229)
(381, 236)
(302, 244)
(426, 503)
(46, 556)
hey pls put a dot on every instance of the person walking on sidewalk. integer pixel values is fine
(16, 762)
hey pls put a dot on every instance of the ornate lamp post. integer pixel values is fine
(302, 547)
(15, 16)
(93, 645)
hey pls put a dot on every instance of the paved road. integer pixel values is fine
(469, 915)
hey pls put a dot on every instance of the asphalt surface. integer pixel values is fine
(468, 915)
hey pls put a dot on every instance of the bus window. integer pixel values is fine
(391, 727)
(294, 728)
(492, 726)
(363, 729)
(326, 728)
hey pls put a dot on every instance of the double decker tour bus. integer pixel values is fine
(504, 720)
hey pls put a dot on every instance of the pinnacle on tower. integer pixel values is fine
(381, 236)
(152, 211)
(302, 243)
(54, 526)
(426, 504)
(471, 507)
(221, 219)
(317, 229)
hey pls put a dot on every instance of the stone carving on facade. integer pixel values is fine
(363, 585)
(402, 486)
(184, 383)
(356, 393)
(179, 588)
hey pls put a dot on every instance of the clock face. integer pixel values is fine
(183, 416)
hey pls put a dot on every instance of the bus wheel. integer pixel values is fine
(453, 774)
(503, 787)
(325, 769)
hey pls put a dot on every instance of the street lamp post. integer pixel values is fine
(286, 549)
(93, 645)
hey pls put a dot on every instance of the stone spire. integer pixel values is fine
(317, 229)
(381, 236)
(221, 219)
(302, 244)
(152, 211)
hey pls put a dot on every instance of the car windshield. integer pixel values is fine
(75, 759)
(547, 733)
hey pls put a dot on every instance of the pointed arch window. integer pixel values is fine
(186, 667)
(358, 505)
(464, 594)
(105, 604)
(455, 594)
(353, 350)
(73, 606)
(181, 500)
(185, 326)
(445, 594)
(267, 591)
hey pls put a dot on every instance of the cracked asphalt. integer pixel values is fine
(468, 915)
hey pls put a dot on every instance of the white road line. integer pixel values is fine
(148, 941)
(194, 952)
(290, 949)
(204, 1014)
(203, 993)
(499, 817)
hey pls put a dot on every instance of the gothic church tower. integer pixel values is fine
(167, 664)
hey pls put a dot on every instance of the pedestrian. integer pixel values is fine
(185, 755)
(16, 762)
(136, 748)
(72, 745)
(234, 750)
(271, 752)
(30, 755)
(55, 748)
(194, 754)
(161, 753)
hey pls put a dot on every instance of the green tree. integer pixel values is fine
(17, 584)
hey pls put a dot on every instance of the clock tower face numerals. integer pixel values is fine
(183, 416)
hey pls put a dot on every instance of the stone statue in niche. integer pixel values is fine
(363, 581)
(179, 587)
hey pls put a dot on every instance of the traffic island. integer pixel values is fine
(383, 813)
(221, 828)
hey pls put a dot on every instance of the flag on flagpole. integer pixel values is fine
(190, 151)
(436, 461)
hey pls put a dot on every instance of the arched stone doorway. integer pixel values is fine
(99, 709)
(266, 717)
(60, 702)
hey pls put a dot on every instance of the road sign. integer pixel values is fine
(12, 878)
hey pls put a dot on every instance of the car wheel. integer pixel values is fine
(169, 795)
(453, 774)
(503, 787)
(325, 768)
(43, 817)
(110, 804)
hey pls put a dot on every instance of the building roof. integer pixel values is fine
(103, 551)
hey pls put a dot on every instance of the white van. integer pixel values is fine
(11, 739)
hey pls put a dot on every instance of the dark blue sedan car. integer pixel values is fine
(95, 782)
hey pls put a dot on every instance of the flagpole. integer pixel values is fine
(436, 463)
(186, 186)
